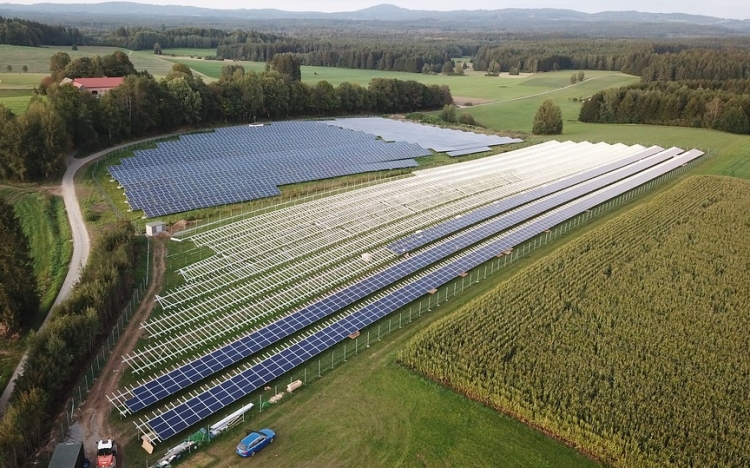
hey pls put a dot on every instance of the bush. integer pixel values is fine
(467, 119)
(449, 114)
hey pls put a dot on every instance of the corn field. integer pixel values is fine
(630, 342)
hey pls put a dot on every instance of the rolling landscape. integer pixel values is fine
(394, 236)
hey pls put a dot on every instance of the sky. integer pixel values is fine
(737, 9)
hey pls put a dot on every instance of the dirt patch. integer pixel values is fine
(180, 225)
(95, 411)
(468, 102)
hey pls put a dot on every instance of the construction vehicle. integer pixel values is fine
(106, 454)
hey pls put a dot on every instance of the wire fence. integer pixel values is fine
(98, 362)
(375, 333)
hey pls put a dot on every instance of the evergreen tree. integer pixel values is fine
(19, 300)
(548, 119)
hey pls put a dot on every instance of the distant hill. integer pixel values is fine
(509, 19)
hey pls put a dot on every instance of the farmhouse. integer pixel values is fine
(97, 86)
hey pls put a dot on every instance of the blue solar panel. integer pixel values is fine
(184, 415)
(194, 371)
(444, 229)
(243, 163)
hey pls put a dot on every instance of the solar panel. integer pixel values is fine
(436, 138)
(244, 163)
(192, 410)
(441, 230)
(198, 369)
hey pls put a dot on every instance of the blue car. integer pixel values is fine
(254, 442)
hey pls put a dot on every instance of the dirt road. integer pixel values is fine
(93, 419)
(81, 244)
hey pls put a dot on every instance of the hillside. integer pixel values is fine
(621, 23)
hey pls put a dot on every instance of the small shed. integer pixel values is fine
(67, 455)
(154, 228)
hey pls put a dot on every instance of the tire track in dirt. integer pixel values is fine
(94, 415)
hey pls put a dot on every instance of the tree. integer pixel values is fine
(448, 67)
(426, 69)
(84, 67)
(9, 68)
(581, 76)
(288, 64)
(19, 301)
(25, 69)
(573, 79)
(548, 119)
(448, 114)
(186, 101)
(57, 64)
(514, 71)
(157, 48)
(117, 64)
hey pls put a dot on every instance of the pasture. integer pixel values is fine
(632, 346)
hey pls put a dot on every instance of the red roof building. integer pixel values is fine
(97, 86)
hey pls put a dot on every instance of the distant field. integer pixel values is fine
(185, 52)
(475, 85)
(37, 58)
(633, 345)
(15, 99)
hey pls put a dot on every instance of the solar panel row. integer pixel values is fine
(243, 163)
(174, 420)
(198, 369)
(424, 237)
(439, 139)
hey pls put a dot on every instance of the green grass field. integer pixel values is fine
(188, 52)
(45, 224)
(37, 58)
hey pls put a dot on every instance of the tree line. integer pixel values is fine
(717, 105)
(33, 146)
(145, 38)
(19, 298)
(16, 31)
(397, 55)
(56, 353)
(713, 59)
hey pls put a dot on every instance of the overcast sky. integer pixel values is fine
(739, 9)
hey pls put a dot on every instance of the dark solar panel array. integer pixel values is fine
(227, 392)
(424, 237)
(225, 356)
(465, 152)
(439, 139)
(243, 163)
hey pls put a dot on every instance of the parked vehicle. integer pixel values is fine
(106, 454)
(254, 442)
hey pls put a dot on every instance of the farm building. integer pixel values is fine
(97, 86)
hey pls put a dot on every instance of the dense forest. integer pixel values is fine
(720, 105)
(694, 59)
(55, 353)
(14, 31)
(33, 146)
